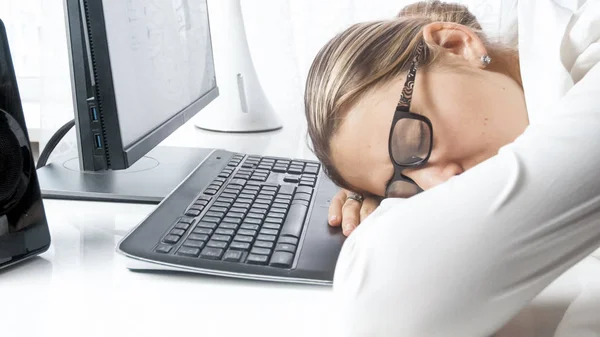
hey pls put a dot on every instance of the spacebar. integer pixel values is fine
(294, 221)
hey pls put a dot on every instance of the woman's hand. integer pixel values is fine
(349, 213)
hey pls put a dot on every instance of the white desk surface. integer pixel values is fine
(80, 286)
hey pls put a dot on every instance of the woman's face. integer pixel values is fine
(473, 111)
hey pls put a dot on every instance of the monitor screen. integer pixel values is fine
(161, 60)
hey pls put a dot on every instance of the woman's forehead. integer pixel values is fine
(360, 147)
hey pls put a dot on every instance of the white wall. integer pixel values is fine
(284, 36)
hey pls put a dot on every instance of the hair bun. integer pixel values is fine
(442, 12)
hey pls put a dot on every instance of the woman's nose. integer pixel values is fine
(429, 176)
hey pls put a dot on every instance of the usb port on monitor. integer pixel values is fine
(94, 112)
(98, 141)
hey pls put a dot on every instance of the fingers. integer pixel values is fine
(369, 205)
(350, 216)
(335, 208)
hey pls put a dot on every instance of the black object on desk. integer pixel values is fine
(243, 216)
(23, 227)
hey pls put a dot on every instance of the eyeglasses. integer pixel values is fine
(411, 138)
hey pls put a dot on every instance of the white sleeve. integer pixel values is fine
(464, 257)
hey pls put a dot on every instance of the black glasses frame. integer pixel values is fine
(403, 111)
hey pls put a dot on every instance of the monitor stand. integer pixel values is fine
(149, 180)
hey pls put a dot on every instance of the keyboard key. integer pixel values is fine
(276, 215)
(257, 259)
(249, 197)
(282, 260)
(253, 215)
(212, 253)
(216, 244)
(227, 200)
(301, 202)
(284, 203)
(306, 184)
(233, 189)
(260, 211)
(269, 225)
(211, 219)
(304, 189)
(178, 232)
(243, 238)
(228, 225)
(287, 189)
(217, 209)
(220, 237)
(200, 230)
(224, 231)
(215, 186)
(254, 221)
(211, 225)
(194, 243)
(192, 212)
(294, 221)
(260, 206)
(242, 206)
(280, 169)
(171, 239)
(270, 187)
(311, 169)
(278, 210)
(204, 197)
(294, 170)
(302, 196)
(163, 248)
(284, 197)
(249, 226)
(199, 237)
(291, 179)
(266, 237)
(288, 239)
(188, 251)
(182, 226)
(239, 209)
(264, 244)
(235, 215)
(236, 221)
(240, 182)
(264, 199)
(251, 188)
(225, 205)
(233, 255)
(222, 180)
(228, 195)
(240, 245)
(260, 251)
(285, 247)
(278, 221)
(210, 191)
(218, 215)
(187, 220)
(248, 232)
(267, 231)
(245, 200)
(269, 193)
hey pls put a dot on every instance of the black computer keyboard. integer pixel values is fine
(241, 217)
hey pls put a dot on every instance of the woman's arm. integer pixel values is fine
(466, 256)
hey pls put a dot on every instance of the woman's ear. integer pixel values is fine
(456, 39)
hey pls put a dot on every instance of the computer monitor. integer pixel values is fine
(140, 69)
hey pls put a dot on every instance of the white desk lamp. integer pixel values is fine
(242, 105)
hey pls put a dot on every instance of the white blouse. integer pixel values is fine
(504, 249)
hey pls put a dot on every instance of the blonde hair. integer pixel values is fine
(363, 57)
